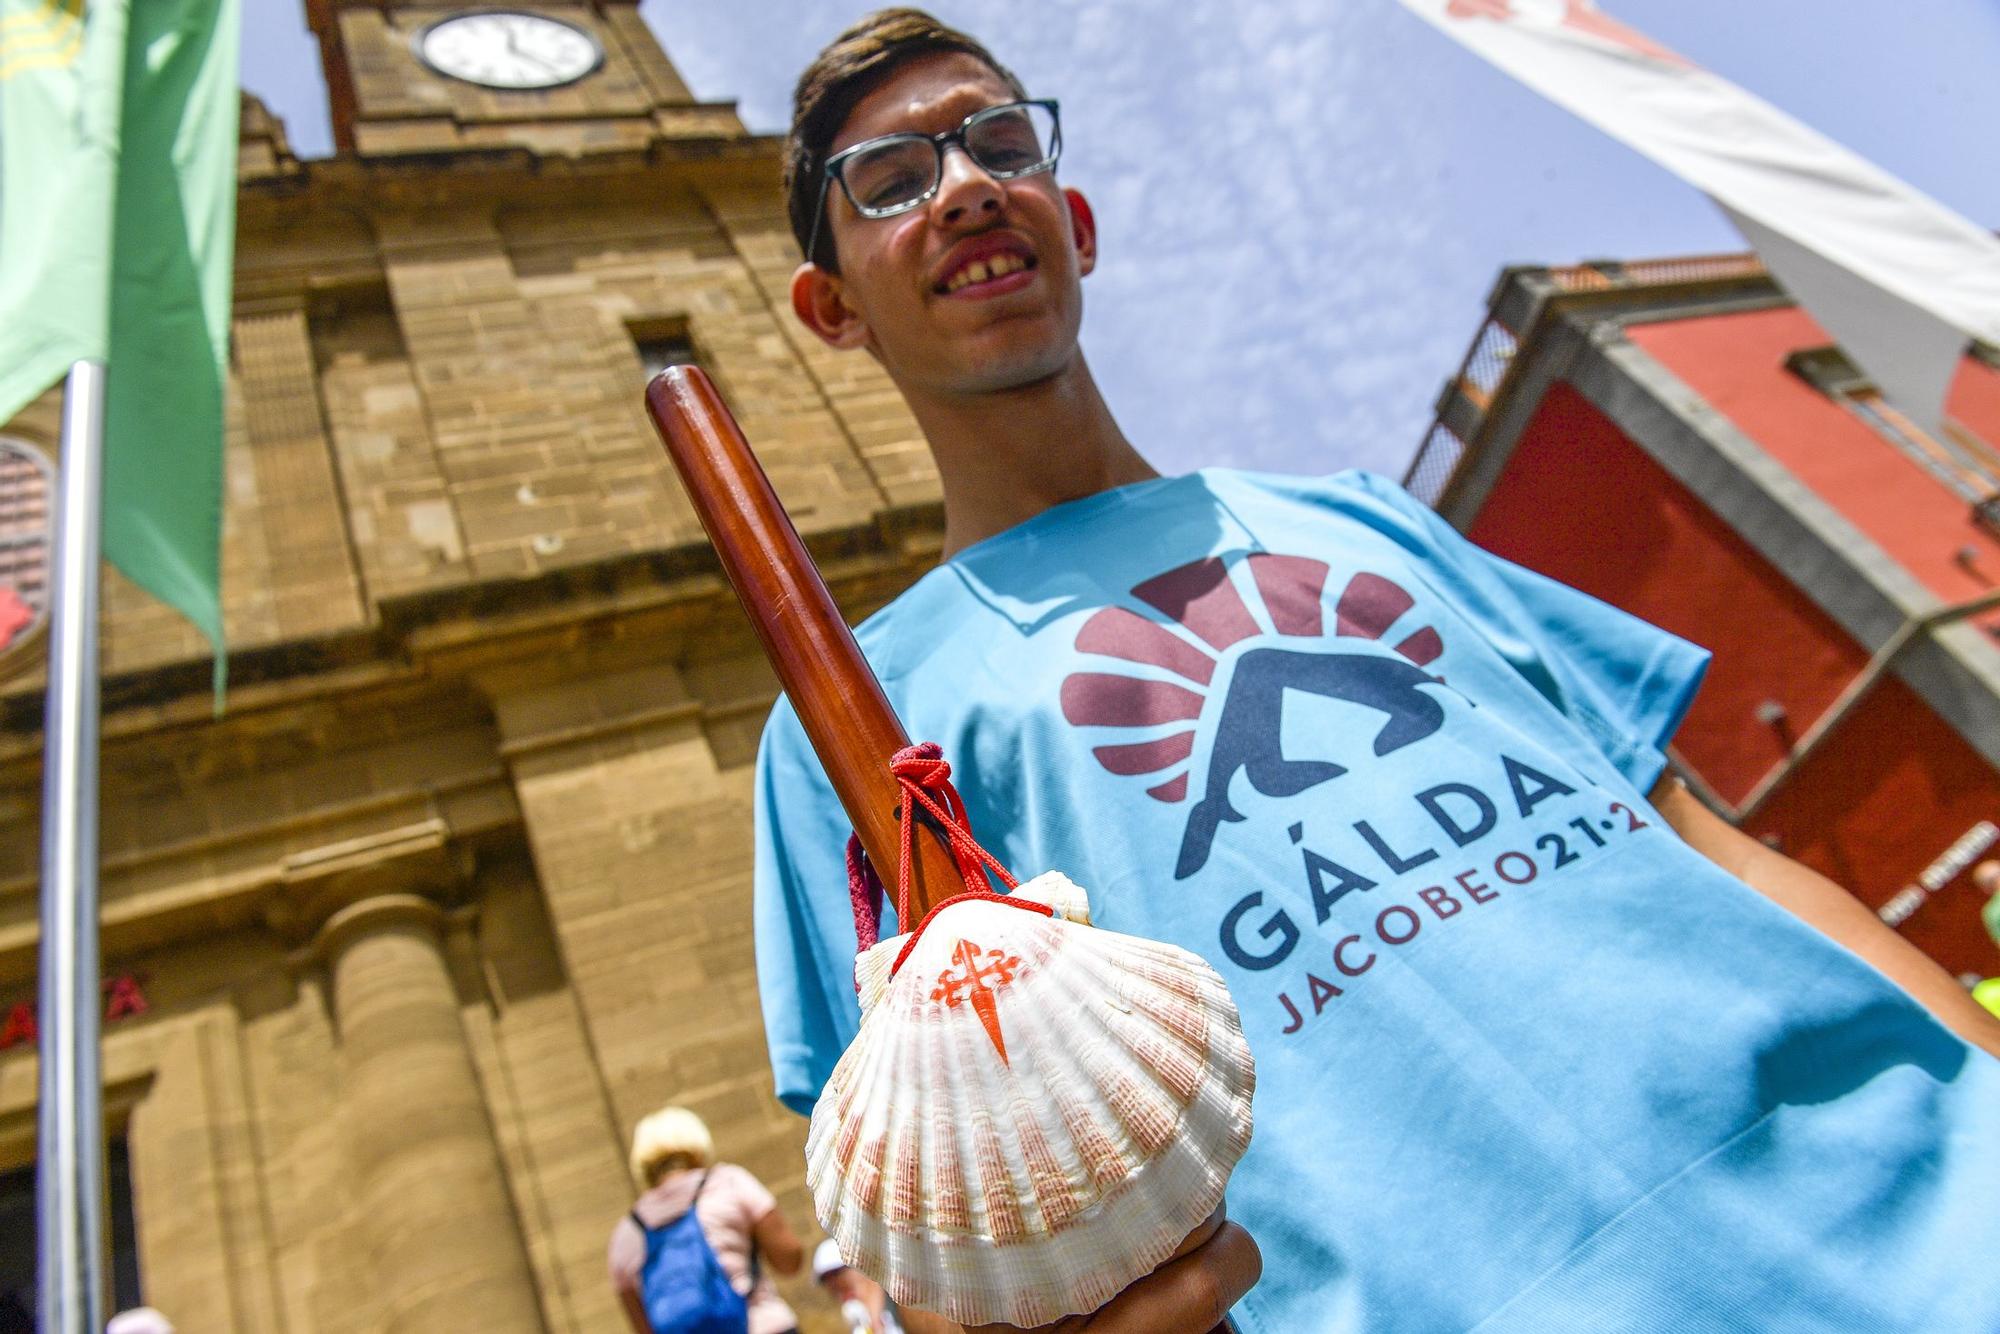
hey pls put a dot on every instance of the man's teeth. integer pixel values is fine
(982, 269)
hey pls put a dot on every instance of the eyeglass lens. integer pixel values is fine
(1012, 141)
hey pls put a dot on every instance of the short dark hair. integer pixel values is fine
(851, 66)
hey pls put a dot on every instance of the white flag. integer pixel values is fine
(1899, 279)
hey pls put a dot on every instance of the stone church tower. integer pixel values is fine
(457, 889)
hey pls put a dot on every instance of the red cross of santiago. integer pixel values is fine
(975, 979)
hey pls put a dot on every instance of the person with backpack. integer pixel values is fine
(692, 1256)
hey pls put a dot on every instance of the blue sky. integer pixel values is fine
(1303, 203)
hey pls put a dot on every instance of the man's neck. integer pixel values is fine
(1005, 457)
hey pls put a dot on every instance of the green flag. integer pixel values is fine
(60, 86)
(117, 240)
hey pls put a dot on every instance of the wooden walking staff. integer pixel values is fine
(840, 704)
(1151, 1072)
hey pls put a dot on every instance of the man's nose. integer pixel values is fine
(966, 194)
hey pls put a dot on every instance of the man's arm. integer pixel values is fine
(1821, 903)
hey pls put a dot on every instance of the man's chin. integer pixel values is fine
(999, 370)
(1002, 378)
(1009, 354)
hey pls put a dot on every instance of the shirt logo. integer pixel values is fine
(1203, 604)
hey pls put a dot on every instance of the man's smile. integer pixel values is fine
(992, 264)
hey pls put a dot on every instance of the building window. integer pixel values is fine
(26, 525)
(663, 343)
(17, 1241)
(1954, 457)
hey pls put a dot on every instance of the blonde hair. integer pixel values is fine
(672, 1139)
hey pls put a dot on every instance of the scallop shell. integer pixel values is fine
(1034, 1113)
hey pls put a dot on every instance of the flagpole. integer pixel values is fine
(70, 1157)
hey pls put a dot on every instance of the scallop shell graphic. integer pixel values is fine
(26, 533)
(1034, 1113)
(1207, 617)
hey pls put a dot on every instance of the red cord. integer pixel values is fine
(864, 892)
(981, 895)
(920, 769)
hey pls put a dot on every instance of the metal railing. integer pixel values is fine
(1606, 274)
(1489, 361)
(1435, 465)
(1479, 378)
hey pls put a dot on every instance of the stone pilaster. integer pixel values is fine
(313, 582)
(641, 840)
(447, 1247)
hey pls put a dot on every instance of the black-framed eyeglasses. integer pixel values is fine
(898, 172)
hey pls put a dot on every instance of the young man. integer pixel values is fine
(1542, 1044)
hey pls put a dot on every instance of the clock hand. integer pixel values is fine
(514, 48)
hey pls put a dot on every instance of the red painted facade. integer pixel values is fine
(1626, 532)
(1737, 364)
(1894, 786)
(1892, 790)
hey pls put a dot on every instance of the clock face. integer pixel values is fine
(503, 49)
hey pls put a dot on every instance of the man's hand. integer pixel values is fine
(1189, 1294)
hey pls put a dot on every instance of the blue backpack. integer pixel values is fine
(682, 1285)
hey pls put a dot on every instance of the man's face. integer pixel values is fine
(902, 291)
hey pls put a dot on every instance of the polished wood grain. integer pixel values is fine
(841, 705)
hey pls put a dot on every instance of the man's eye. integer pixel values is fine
(882, 191)
(1009, 157)
(1006, 143)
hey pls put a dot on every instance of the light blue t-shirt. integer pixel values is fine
(1526, 1062)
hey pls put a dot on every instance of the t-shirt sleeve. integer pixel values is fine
(804, 922)
(1624, 682)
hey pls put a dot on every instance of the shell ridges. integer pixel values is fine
(1034, 1113)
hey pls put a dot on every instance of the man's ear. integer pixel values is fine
(1083, 228)
(821, 305)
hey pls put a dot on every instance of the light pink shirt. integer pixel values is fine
(730, 1206)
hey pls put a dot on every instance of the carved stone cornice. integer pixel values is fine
(265, 303)
(417, 862)
(660, 604)
(508, 175)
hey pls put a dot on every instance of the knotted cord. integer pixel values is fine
(924, 776)
(920, 770)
